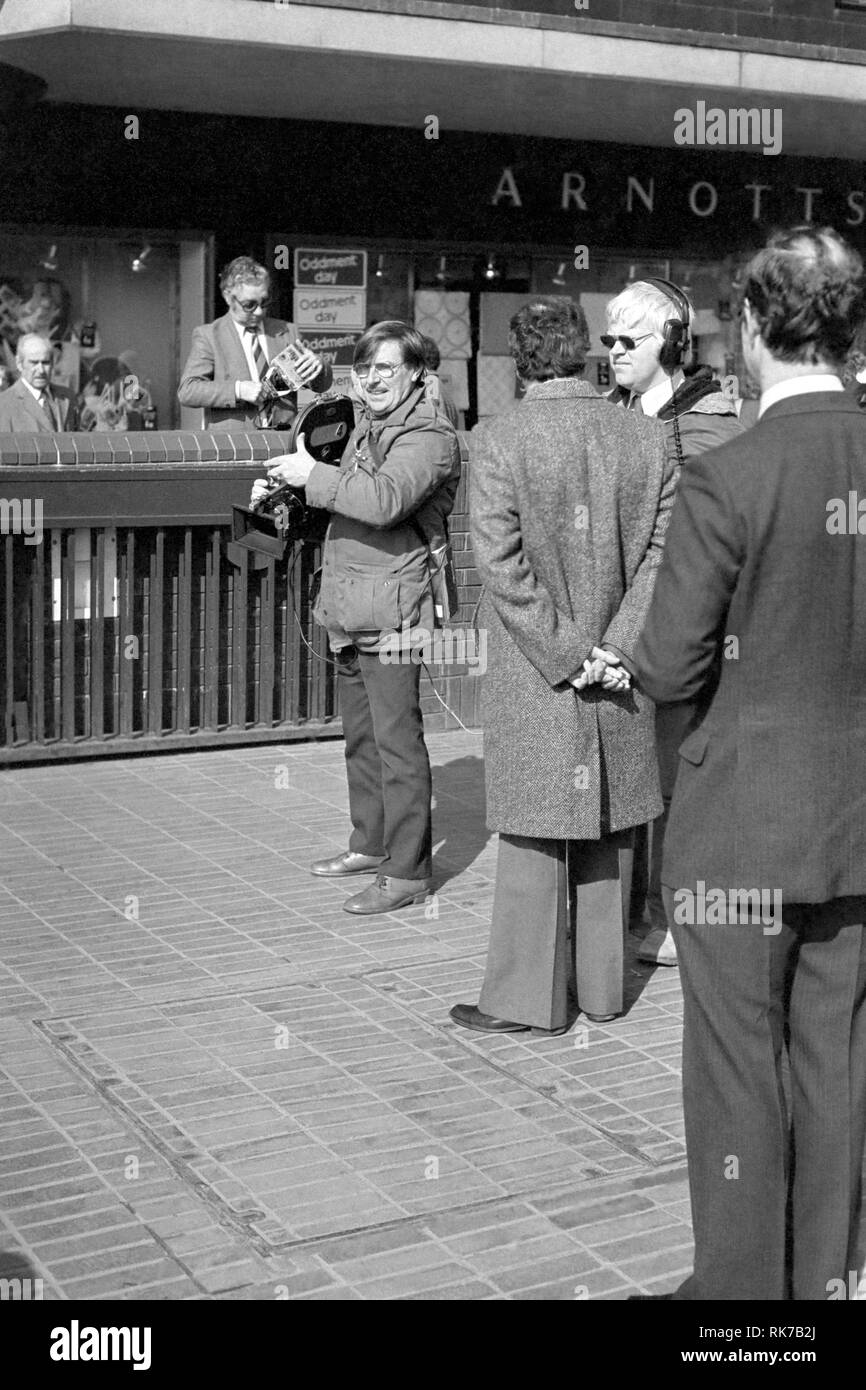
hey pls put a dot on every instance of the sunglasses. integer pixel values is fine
(610, 340)
(249, 306)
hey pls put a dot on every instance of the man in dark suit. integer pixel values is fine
(32, 405)
(230, 356)
(759, 613)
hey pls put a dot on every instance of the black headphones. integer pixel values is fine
(675, 331)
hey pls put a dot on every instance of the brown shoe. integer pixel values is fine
(387, 894)
(348, 863)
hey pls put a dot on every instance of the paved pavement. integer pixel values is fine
(215, 1084)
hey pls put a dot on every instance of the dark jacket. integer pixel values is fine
(705, 416)
(770, 790)
(217, 360)
(398, 476)
(705, 419)
(569, 505)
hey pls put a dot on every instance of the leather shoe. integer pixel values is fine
(347, 863)
(387, 894)
(658, 947)
(649, 1298)
(470, 1016)
(600, 1018)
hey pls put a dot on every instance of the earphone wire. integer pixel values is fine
(329, 661)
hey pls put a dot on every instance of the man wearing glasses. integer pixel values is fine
(230, 356)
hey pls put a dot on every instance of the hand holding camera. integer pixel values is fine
(294, 468)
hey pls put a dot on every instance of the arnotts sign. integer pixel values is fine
(577, 192)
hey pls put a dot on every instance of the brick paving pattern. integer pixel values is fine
(215, 1084)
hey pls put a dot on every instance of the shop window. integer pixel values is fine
(118, 311)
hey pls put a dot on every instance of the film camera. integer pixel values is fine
(282, 517)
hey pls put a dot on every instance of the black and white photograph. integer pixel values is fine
(432, 670)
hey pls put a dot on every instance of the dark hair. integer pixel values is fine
(242, 270)
(391, 331)
(806, 290)
(432, 355)
(548, 338)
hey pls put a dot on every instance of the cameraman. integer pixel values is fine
(390, 499)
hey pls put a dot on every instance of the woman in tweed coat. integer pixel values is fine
(570, 500)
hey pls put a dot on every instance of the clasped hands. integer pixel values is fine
(293, 469)
(602, 668)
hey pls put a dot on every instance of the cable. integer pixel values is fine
(329, 661)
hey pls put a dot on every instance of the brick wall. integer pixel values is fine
(748, 24)
(821, 22)
(452, 678)
(145, 447)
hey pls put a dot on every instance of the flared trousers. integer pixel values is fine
(560, 914)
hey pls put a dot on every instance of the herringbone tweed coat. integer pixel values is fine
(569, 503)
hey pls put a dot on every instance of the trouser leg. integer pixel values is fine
(405, 779)
(735, 1115)
(827, 1048)
(526, 977)
(363, 765)
(600, 873)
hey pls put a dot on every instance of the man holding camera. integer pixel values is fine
(230, 357)
(389, 501)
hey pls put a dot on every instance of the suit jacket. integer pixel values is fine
(20, 413)
(217, 360)
(759, 611)
(569, 502)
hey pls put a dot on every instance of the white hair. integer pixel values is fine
(642, 305)
(27, 339)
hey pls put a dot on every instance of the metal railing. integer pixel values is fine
(128, 619)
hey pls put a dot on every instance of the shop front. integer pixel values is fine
(356, 224)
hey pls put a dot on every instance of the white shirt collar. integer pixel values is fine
(798, 386)
(657, 396)
(37, 395)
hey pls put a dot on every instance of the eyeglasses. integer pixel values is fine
(610, 340)
(250, 305)
(384, 370)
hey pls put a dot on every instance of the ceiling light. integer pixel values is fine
(137, 264)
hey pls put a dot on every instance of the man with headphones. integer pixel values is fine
(648, 340)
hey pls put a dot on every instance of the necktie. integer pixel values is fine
(634, 404)
(50, 410)
(258, 356)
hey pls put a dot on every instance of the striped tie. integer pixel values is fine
(258, 356)
(50, 409)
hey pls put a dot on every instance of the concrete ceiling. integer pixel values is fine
(497, 88)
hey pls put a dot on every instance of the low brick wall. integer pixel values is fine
(110, 495)
(145, 447)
